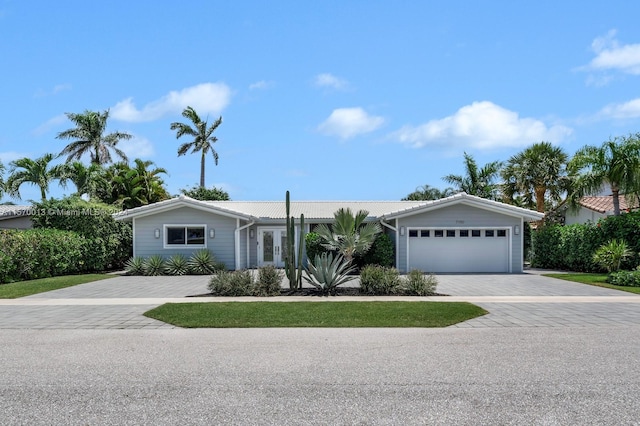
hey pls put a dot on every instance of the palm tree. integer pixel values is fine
(88, 137)
(152, 184)
(35, 172)
(536, 175)
(1, 179)
(616, 162)
(131, 187)
(86, 179)
(478, 182)
(428, 192)
(351, 236)
(203, 138)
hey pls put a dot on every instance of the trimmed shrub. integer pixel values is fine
(269, 281)
(382, 252)
(313, 245)
(154, 265)
(379, 280)
(625, 278)
(135, 266)
(177, 264)
(40, 253)
(418, 283)
(236, 283)
(109, 242)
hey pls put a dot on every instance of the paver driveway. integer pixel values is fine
(518, 300)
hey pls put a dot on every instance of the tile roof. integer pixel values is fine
(9, 211)
(604, 203)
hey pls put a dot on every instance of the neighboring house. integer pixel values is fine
(592, 209)
(15, 217)
(461, 233)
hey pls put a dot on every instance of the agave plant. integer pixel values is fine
(135, 266)
(326, 273)
(177, 264)
(154, 265)
(202, 262)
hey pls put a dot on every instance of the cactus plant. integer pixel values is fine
(293, 267)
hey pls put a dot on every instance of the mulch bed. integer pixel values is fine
(340, 291)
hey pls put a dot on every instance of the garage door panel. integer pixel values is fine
(459, 254)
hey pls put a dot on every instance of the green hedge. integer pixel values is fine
(40, 253)
(571, 247)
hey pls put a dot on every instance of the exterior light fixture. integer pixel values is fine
(402, 230)
(251, 233)
(212, 233)
(516, 229)
(156, 233)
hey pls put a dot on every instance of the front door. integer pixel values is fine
(272, 246)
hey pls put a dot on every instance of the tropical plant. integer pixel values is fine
(203, 138)
(1, 179)
(206, 194)
(475, 181)
(616, 162)
(154, 265)
(87, 179)
(326, 273)
(135, 266)
(428, 192)
(379, 280)
(625, 278)
(269, 282)
(382, 252)
(177, 264)
(36, 172)
(236, 283)
(313, 245)
(131, 187)
(89, 138)
(350, 235)
(611, 255)
(537, 174)
(418, 283)
(202, 262)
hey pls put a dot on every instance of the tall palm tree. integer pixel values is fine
(1, 179)
(36, 172)
(202, 134)
(350, 235)
(89, 137)
(477, 181)
(616, 162)
(535, 175)
(428, 192)
(87, 179)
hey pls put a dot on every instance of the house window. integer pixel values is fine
(464, 232)
(475, 232)
(413, 233)
(501, 232)
(451, 232)
(424, 233)
(185, 236)
(438, 233)
(488, 233)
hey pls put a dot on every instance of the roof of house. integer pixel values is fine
(11, 211)
(323, 210)
(604, 203)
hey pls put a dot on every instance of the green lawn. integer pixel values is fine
(27, 288)
(315, 314)
(599, 280)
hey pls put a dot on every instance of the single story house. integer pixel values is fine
(15, 217)
(460, 233)
(592, 209)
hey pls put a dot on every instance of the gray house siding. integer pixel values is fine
(222, 246)
(460, 216)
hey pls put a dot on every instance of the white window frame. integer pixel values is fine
(165, 235)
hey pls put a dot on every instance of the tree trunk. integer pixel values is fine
(615, 193)
(202, 170)
(540, 198)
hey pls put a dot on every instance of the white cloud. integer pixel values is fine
(481, 125)
(349, 122)
(9, 156)
(137, 147)
(630, 109)
(49, 124)
(56, 89)
(611, 56)
(261, 85)
(206, 98)
(331, 81)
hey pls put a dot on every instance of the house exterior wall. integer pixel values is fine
(460, 216)
(20, 222)
(582, 215)
(222, 246)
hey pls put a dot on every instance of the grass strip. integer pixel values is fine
(599, 280)
(315, 314)
(27, 288)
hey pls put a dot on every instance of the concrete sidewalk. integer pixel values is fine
(517, 300)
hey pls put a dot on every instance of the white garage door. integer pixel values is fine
(459, 250)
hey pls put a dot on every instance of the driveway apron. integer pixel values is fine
(513, 300)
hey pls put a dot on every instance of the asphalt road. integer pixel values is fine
(487, 376)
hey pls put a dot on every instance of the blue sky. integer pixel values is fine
(332, 100)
